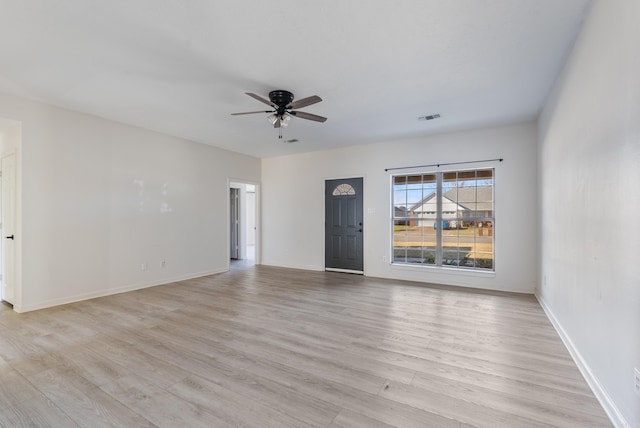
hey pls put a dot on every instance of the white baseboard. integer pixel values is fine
(111, 291)
(617, 419)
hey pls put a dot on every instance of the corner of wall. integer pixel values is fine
(601, 394)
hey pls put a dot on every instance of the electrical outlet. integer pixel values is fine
(163, 263)
(143, 266)
(636, 377)
(384, 259)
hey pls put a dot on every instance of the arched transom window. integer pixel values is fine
(344, 190)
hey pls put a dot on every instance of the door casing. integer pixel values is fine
(234, 225)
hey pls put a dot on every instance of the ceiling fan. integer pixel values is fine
(284, 107)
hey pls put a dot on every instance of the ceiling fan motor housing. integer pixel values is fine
(281, 98)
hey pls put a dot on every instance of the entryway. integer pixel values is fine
(344, 225)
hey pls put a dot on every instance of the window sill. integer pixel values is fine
(449, 271)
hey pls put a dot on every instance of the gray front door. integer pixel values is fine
(344, 225)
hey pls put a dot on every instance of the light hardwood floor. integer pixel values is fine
(273, 347)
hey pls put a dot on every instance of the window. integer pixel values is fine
(444, 219)
(344, 190)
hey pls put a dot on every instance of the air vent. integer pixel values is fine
(430, 117)
(293, 140)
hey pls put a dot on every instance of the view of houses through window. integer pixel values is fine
(444, 219)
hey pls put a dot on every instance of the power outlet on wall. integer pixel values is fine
(636, 377)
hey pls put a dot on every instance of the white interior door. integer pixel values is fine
(234, 227)
(8, 211)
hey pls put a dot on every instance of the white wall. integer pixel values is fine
(99, 199)
(590, 153)
(293, 218)
(10, 136)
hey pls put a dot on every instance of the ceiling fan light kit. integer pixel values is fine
(284, 107)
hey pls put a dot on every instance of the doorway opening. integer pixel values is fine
(243, 220)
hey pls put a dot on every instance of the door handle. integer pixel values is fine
(9, 237)
(359, 230)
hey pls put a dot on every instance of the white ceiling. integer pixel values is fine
(181, 67)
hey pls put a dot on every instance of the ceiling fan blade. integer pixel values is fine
(251, 112)
(262, 100)
(308, 116)
(277, 123)
(303, 102)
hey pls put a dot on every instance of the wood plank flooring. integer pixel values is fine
(274, 347)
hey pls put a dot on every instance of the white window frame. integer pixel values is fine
(439, 221)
